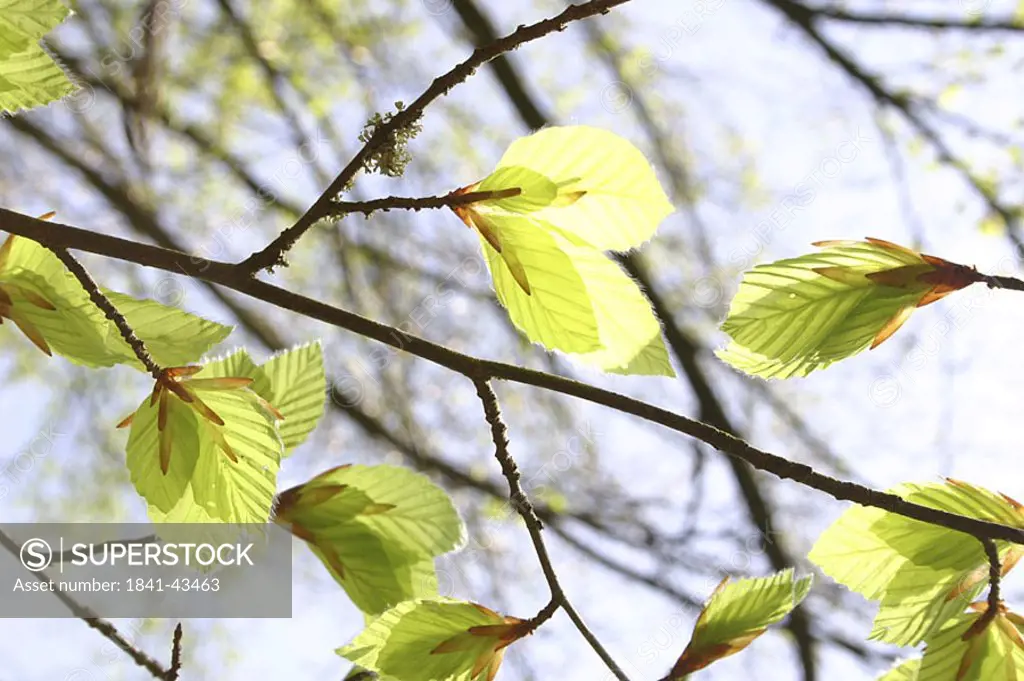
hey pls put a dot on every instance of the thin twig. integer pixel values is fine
(977, 23)
(233, 277)
(995, 574)
(175, 668)
(111, 312)
(450, 200)
(274, 252)
(499, 434)
(105, 628)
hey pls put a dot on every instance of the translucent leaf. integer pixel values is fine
(955, 653)
(904, 671)
(223, 455)
(298, 391)
(435, 640)
(377, 530)
(586, 181)
(794, 316)
(922, 574)
(24, 22)
(580, 302)
(172, 336)
(376, 575)
(737, 613)
(74, 327)
(28, 75)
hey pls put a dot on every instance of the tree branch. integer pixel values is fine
(54, 234)
(274, 252)
(103, 303)
(499, 434)
(981, 24)
(105, 628)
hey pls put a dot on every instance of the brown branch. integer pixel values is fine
(175, 668)
(382, 134)
(449, 200)
(981, 24)
(806, 19)
(111, 312)
(147, 224)
(233, 277)
(995, 574)
(105, 628)
(499, 434)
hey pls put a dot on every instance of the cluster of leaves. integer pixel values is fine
(28, 75)
(926, 579)
(206, 444)
(561, 198)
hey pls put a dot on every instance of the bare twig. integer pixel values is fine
(175, 668)
(499, 434)
(105, 628)
(274, 252)
(449, 200)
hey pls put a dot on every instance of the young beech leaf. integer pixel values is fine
(922, 574)
(903, 671)
(377, 530)
(736, 614)
(28, 75)
(558, 199)
(293, 381)
(50, 306)
(207, 441)
(794, 316)
(436, 640)
(580, 301)
(583, 180)
(967, 649)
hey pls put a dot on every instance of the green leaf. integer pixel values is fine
(737, 613)
(580, 301)
(794, 316)
(585, 181)
(922, 574)
(435, 640)
(377, 529)
(28, 75)
(172, 336)
(221, 473)
(24, 22)
(961, 654)
(71, 325)
(298, 391)
(904, 671)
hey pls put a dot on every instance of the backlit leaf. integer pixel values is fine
(736, 614)
(581, 302)
(72, 325)
(794, 316)
(922, 574)
(585, 181)
(28, 75)
(435, 640)
(215, 459)
(377, 529)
